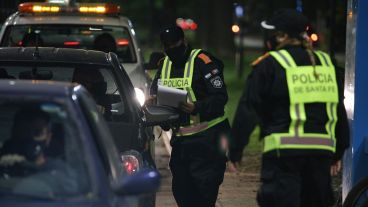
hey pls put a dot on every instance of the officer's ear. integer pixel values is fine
(281, 37)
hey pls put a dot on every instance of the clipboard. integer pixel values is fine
(168, 96)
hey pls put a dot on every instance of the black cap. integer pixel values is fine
(289, 21)
(171, 35)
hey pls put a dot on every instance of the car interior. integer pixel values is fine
(91, 37)
(26, 160)
(99, 83)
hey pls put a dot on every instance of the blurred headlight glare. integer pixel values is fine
(140, 96)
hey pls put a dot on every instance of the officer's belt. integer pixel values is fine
(193, 129)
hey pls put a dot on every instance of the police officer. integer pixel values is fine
(197, 161)
(297, 94)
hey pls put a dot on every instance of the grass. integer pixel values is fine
(235, 86)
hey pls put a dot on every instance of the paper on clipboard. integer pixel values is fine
(170, 96)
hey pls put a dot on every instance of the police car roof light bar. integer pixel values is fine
(39, 8)
(106, 8)
(85, 8)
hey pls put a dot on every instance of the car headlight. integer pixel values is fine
(140, 96)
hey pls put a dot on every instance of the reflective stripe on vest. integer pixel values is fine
(304, 87)
(186, 83)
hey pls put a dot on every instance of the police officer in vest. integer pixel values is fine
(197, 161)
(298, 95)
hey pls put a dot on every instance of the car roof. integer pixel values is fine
(51, 54)
(69, 18)
(39, 88)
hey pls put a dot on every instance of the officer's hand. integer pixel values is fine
(335, 168)
(233, 167)
(150, 101)
(187, 107)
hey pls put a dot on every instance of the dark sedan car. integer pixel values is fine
(56, 150)
(105, 79)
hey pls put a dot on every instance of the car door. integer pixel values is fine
(128, 95)
(107, 152)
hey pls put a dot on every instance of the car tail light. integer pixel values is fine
(71, 43)
(122, 42)
(130, 163)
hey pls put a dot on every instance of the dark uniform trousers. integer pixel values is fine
(198, 165)
(282, 180)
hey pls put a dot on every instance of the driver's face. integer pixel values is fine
(44, 136)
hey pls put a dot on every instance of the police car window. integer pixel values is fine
(103, 38)
(98, 81)
(41, 153)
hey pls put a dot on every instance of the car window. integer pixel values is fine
(92, 37)
(104, 142)
(41, 151)
(98, 80)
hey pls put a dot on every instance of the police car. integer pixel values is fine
(96, 26)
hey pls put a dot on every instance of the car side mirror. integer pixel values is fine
(154, 61)
(160, 115)
(141, 182)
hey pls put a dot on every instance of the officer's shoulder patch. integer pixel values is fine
(205, 58)
(216, 82)
(260, 59)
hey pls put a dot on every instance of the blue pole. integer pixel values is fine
(356, 95)
(299, 5)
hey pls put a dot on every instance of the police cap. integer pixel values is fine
(171, 35)
(289, 21)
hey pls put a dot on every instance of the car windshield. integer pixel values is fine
(103, 38)
(41, 151)
(97, 79)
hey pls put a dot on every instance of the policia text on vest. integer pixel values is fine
(305, 83)
(175, 82)
(308, 84)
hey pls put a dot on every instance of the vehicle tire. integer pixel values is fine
(358, 196)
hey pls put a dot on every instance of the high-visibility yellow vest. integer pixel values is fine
(307, 84)
(185, 83)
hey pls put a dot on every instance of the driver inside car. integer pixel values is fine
(25, 156)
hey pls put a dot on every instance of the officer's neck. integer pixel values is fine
(289, 43)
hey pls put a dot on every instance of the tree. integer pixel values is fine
(215, 20)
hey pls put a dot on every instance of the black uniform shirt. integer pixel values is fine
(208, 86)
(267, 93)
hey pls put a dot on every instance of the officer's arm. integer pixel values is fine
(259, 85)
(153, 88)
(245, 121)
(342, 127)
(216, 97)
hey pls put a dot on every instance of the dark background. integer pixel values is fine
(215, 17)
